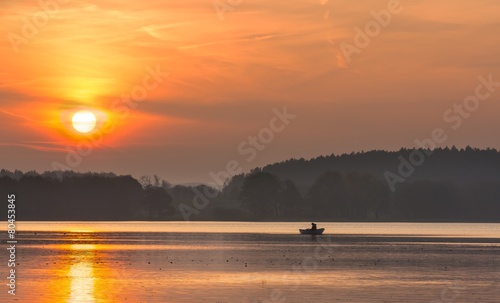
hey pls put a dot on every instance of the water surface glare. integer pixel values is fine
(80, 262)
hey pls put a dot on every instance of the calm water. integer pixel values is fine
(255, 262)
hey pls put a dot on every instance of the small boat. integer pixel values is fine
(308, 231)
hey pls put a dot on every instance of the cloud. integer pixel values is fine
(225, 77)
(42, 148)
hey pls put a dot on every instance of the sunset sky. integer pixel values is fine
(228, 67)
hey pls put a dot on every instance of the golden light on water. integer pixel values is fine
(82, 283)
(81, 274)
(83, 247)
(80, 231)
(120, 266)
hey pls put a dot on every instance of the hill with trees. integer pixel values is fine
(410, 185)
(447, 184)
(444, 164)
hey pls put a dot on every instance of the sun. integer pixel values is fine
(84, 121)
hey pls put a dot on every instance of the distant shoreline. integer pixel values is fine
(272, 221)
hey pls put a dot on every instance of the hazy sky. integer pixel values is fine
(228, 67)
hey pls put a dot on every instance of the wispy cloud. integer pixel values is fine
(42, 148)
(254, 39)
(18, 116)
(225, 76)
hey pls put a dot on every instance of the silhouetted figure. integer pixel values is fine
(313, 226)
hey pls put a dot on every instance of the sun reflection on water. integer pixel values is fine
(81, 274)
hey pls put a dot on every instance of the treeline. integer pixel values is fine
(450, 185)
(363, 197)
(443, 164)
(445, 184)
(89, 196)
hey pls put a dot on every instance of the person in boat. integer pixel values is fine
(313, 226)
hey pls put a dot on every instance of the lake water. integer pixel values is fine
(215, 262)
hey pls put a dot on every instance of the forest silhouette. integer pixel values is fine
(452, 185)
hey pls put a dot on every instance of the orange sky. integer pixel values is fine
(226, 73)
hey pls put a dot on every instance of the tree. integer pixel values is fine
(158, 202)
(291, 199)
(328, 196)
(368, 196)
(261, 194)
(156, 198)
(427, 200)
